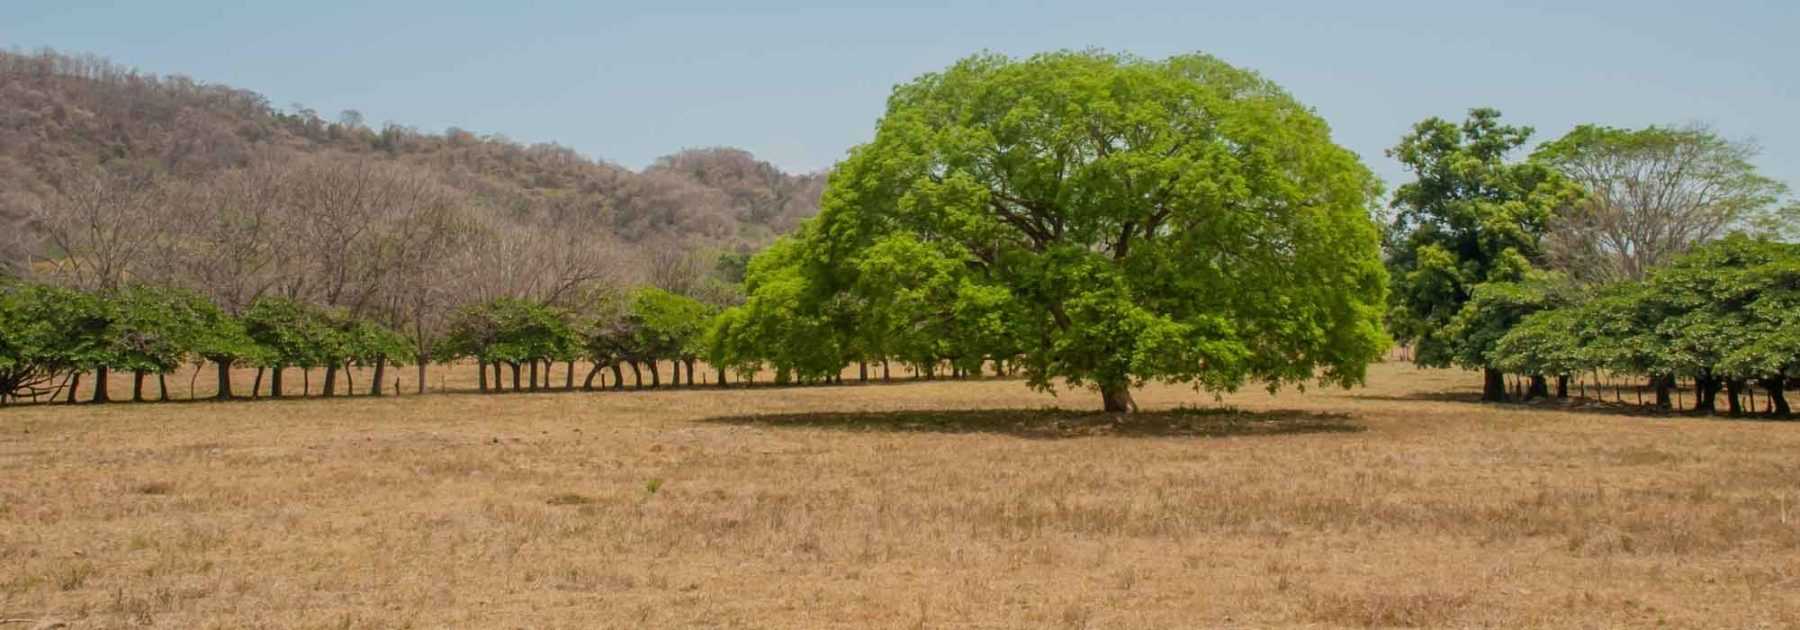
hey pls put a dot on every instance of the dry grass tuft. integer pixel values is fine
(1388, 608)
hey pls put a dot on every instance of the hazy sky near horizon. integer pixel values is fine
(799, 83)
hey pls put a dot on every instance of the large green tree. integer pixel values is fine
(1179, 220)
(1470, 216)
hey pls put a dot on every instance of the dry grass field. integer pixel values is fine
(917, 505)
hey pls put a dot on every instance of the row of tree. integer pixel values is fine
(1657, 253)
(51, 336)
(1725, 317)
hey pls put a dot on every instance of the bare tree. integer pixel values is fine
(1652, 194)
(101, 226)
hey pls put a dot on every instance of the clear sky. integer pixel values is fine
(799, 83)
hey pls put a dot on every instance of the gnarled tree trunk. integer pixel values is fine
(1117, 398)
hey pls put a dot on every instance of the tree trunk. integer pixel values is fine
(74, 384)
(690, 366)
(569, 378)
(1777, 396)
(499, 377)
(350, 381)
(885, 375)
(862, 371)
(587, 384)
(1540, 388)
(162, 387)
(331, 370)
(224, 380)
(1117, 398)
(534, 375)
(1706, 393)
(655, 374)
(515, 374)
(675, 372)
(1663, 384)
(1562, 387)
(1734, 388)
(481, 369)
(721, 376)
(100, 382)
(1493, 386)
(618, 376)
(137, 386)
(275, 380)
(423, 361)
(637, 375)
(375, 384)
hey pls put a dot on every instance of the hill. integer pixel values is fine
(62, 114)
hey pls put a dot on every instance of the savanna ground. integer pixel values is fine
(934, 505)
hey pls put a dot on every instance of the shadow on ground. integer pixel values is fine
(1626, 404)
(1050, 424)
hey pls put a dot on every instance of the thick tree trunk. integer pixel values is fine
(588, 383)
(515, 374)
(655, 374)
(675, 372)
(1706, 393)
(137, 386)
(1777, 397)
(275, 380)
(1540, 388)
(1734, 389)
(100, 383)
(1663, 384)
(331, 371)
(1117, 398)
(224, 380)
(721, 376)
(569, 378)
(1493, 385)
(499, 377)
(534, 375)
(375, 384)
(690, 366)
(885, 375)
(862, 371)
(481, 369)
(618, 377)
(74, 384)
(1562, 387)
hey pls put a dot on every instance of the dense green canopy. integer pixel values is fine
(1108, 219)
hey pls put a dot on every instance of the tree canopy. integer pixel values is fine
(1179, 220)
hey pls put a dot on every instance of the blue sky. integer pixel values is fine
(799, 83)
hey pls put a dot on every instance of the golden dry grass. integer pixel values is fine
(934, 505)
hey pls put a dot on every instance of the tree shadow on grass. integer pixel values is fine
(1055, 424)
(1627, 403)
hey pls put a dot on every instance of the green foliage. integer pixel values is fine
(1494, 310)
(156, 329)
(1109, 219)
(289, 333)
(45, 331)
(1729, 309)
(509, 330)
(1470, 217)
(667, 325)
